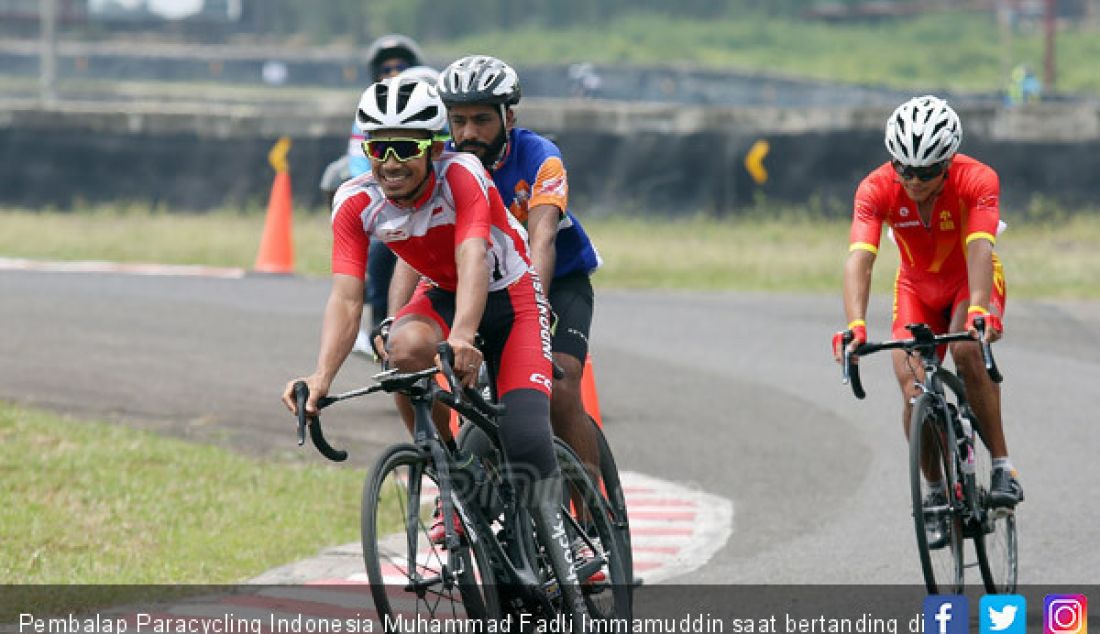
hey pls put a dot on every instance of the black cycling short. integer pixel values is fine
(572, 300)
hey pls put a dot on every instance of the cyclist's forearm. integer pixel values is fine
(979, 271)
(542, 229)
(857, 284)
(473, 288)
(343, 312)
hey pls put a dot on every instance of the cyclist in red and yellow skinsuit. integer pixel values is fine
(942, 210)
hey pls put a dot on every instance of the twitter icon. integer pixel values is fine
(1002, 614)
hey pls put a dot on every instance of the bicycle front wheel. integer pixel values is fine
(996, 541)
(616, 499)
(598, 555)
(938, 526)
(411, 578)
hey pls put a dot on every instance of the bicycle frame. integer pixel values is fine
(514, 569)
(935, 410)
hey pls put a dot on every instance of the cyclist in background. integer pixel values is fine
(388, 56)
(441, 214)
(480, 93)
(942, 211)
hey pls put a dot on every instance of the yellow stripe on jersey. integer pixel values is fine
(863, 246)
(978, 235)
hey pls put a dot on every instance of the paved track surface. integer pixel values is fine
(733, 394)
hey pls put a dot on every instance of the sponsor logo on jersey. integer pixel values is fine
(946, 222)
(553, 186)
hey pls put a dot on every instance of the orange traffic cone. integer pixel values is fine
(589, 398)
(276, 253)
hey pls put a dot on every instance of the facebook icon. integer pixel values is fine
(946, 614)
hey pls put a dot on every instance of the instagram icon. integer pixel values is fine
(1065, 614)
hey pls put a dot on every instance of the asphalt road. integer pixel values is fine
(735, 394)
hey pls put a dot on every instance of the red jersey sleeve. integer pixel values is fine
(981, 188)
(472, 214)
(868, 214)
(350, 241)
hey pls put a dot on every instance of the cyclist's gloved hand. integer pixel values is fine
(858, 330)
(993, 325)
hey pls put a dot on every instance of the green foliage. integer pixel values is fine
(948, 50)
(1049, 250)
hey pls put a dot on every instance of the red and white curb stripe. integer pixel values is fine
(675, 529)
(130, 268)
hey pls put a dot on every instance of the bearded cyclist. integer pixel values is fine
(441, 214)
(480, 93)
(941, 208)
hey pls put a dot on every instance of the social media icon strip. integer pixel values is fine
(1002, 614)
(946, 614)
(1065, 614)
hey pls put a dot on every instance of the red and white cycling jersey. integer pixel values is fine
(461, 202)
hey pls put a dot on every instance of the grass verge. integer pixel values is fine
(766, 249)
(95, 503)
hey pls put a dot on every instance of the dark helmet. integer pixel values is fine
(479, 79)
(392, 45)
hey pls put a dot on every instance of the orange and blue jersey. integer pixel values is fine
(533, 174)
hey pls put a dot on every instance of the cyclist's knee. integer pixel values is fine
(525, 432)
(967, 357)
(567, 388)
(411, 345)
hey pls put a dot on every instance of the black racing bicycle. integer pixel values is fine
(945, 445)
(475, 442)
(496, 557)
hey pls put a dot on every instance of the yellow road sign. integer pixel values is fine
(754, 161)
(277, 155)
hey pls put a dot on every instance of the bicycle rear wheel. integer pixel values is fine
(410, 577)
(996, 542)
(616, 500)
(599, 558)
(938, 527)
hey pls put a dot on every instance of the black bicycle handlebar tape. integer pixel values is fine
(446, 366)
(851, 368)
(557, 371)
(301, 395)
(987, 352)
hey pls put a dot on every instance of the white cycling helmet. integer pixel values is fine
(426, 74)
(479, 79)
(401, 103)
(923, 131)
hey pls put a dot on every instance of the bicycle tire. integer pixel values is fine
(995, 543)
(941, 563)
(599, 548)
(401, 478)
(616, 499)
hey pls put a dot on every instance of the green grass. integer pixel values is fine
(769, 248)
(95, 503)
(944, 50)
